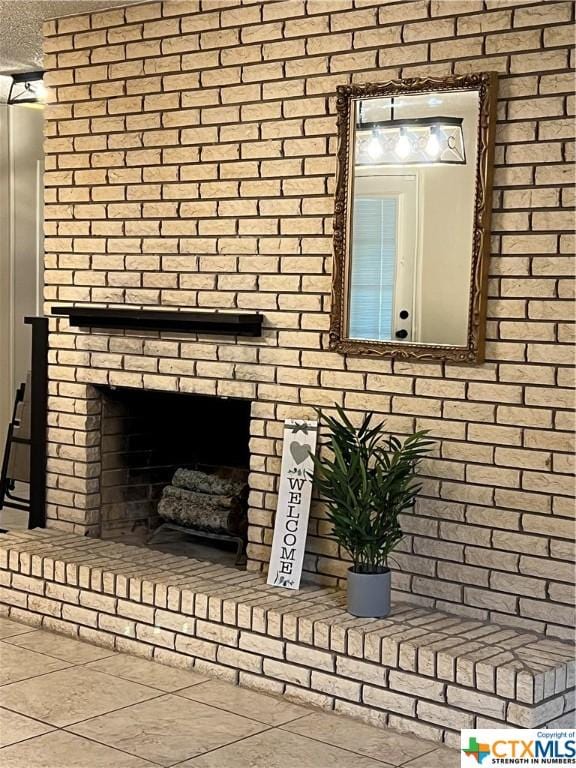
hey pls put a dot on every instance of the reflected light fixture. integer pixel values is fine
(375, 146)
(411, 141)
(433, 147)
(403, 146)
(27, 88)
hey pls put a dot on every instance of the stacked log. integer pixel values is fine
(205, 502)
(194, 480)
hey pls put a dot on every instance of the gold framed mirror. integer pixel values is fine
(412, 217)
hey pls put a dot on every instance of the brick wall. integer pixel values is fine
(190, 164)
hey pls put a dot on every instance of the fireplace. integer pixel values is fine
(146, 438)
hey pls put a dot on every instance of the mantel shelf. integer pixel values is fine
(212, 322)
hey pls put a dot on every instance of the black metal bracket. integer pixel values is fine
(38, 421)
(218, 323)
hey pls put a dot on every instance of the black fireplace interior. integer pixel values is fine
(148, 435)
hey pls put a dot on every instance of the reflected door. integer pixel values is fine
(383, 270)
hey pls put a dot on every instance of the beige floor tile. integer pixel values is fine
(438, 758)
(147, 672)
(64, 750)
(168, 729)
(280, 749)
(74, 694)
(15, 727)
(14, 519)
(60, 647)
(9, 628)
(258, 706)
(19, 664)
(380, 743)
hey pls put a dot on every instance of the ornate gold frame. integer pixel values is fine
(486, 85)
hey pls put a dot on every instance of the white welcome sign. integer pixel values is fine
(293, 509)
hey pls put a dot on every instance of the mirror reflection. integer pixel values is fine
(412, 186)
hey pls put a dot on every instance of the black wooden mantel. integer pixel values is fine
(218, 323)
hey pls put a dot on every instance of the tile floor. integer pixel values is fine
(67, 704)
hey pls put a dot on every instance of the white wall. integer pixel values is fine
(447, 205)
(5, 272)
(21, 251)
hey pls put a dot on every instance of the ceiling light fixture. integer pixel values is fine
(27, 88)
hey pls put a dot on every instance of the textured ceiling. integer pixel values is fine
(21, 31)
(21, 28)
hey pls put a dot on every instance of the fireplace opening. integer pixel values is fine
(175, 472)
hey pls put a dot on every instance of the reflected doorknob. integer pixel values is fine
(401, 334)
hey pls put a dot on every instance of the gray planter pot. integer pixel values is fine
(369, 594)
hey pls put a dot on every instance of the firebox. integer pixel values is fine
(176, 460)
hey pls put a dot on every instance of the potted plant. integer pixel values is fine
(367, 481)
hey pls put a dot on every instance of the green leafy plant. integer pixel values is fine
(367, 481)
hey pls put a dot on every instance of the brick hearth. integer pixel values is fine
(421, 671)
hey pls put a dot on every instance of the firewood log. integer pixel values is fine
(194, 480)
(201, 511)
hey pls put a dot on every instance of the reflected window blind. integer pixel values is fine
(373, 267)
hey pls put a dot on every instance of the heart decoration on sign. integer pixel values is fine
(299, 452)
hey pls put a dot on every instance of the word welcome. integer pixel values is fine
(291, 525)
